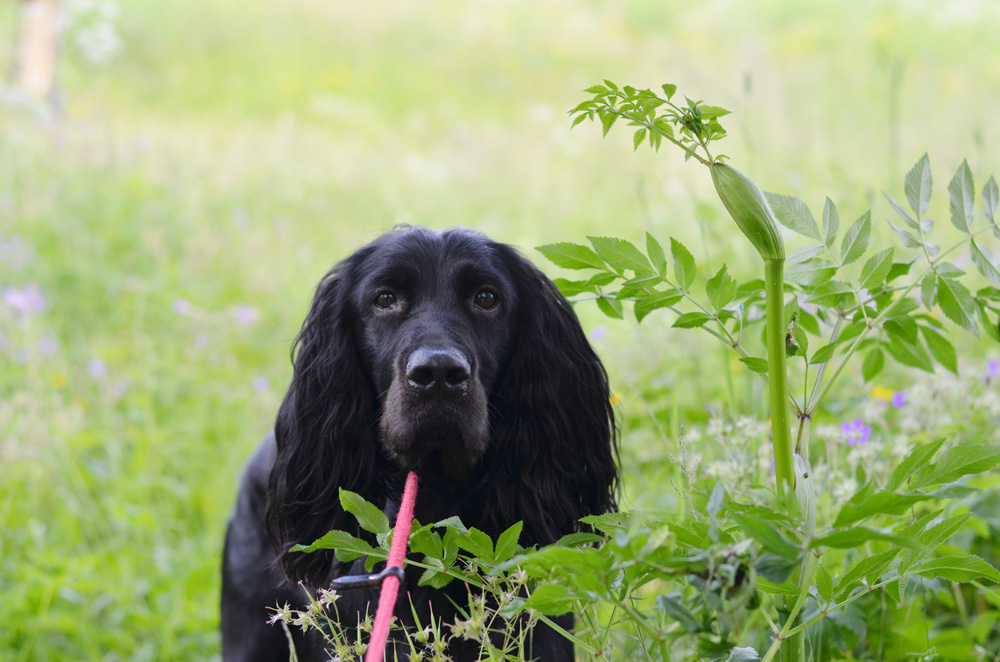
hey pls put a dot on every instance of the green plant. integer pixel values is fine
(743, 572)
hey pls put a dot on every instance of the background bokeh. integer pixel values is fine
(160, 239)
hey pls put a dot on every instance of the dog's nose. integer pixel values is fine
(438, 372)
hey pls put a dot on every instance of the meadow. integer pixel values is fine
(160, 241)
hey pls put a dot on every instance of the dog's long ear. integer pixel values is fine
(325, 433)
(554, 457)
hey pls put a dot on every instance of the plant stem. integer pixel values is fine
(774, 287)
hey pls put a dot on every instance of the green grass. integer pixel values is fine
(235, 151)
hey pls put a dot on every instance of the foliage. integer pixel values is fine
(745, 573)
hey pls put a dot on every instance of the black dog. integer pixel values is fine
(447, 353)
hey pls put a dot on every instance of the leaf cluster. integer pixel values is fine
(692, 126)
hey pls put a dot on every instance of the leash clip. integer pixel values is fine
(367, 581)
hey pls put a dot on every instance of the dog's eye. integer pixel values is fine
(385, 300)
(486, 299)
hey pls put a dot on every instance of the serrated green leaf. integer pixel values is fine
(899, 269)
(767, 535)
(918, 458)
(671, 605)
(871, 566)
(608, 120)
(908, 239)
(571, 256)
(824, 354)
(637, 138)
(551, 600)
(901, 211)
(932, 537)
(867, 502)
(896, 588)
(876, 269)
(962, 194)
(774, 568)
(433, 577)
(991, 198)
(578, 539)
(611, 86)
(656, 255)
(579, 118)
(941, 349)
(957, 569)
(570, 288)
(721, 289)
(957, 304)
(656, 301)
(712, 112)
(370, 517)
(691, 320)
(855, 242)
(507, 542)
(794, 214)
(347, 547)
(602, 278)
(918, 186)
(804, 254)
(813, 273)
(669, 90)
(859, 535)
(621, 254)
(831, 223)
(873, 364)
(903, 327)
(597, 89)
(831, 295)
(477, 543)
(928, 290)
(684, 264)
(611, 307)
(824, 583)
(784, 588)
(800, 346)
(984, 263)
(956, 462)
(755, 364)
(909, 354)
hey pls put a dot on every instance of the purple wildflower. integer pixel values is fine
(857, 432)
(182, 306)
(261, 384)
(992, 370)
(245, 315)
(97, 369)
(598, 332)
(48, 345)
(27, 300)
(898, 399)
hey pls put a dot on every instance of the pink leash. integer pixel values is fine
(390, 585)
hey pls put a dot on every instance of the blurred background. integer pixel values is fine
(170, 196)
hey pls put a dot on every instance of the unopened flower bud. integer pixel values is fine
(748, 207)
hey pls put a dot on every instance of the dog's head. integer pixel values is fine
(434, 325)
(449, 352)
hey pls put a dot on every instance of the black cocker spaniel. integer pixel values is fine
(439, 351)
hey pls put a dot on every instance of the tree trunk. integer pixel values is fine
(37, 48)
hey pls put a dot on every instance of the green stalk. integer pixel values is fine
(774, 288)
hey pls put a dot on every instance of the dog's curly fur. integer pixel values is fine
(444, 352)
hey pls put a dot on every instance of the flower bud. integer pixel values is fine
(748, 207)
